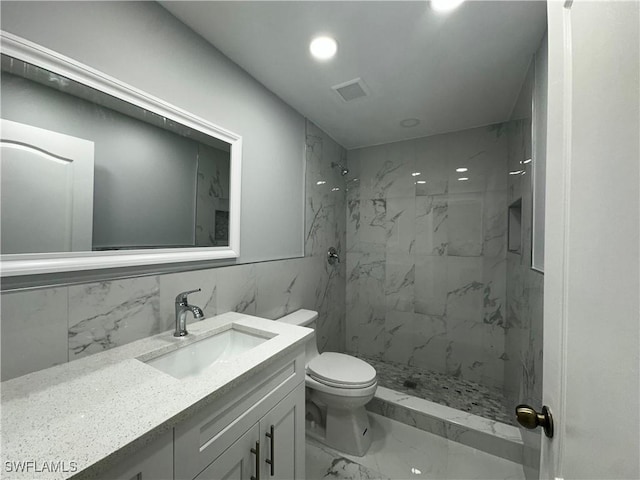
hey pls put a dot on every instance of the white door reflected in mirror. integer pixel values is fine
(47, 190)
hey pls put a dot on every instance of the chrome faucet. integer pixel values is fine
(182, 307)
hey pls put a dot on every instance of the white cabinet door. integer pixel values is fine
(282, 433)
(238, 462)
(205, 436)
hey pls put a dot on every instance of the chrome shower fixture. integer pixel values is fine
(343, 170)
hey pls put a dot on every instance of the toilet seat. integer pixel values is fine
(341, 371)
(342, 392)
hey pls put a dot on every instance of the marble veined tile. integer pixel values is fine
(399, 282)
(464, 288)
(488, 436)
(34, 331)
(329, 297)
(465, 225)
(237, 289)
(483, 151)
(281, 286)
(485, 434)
(431, 232)
(398, 336)
(431, 285)
(401, 224)
(323, 462)
(399, 451)
(460, 394)
(325, 193)
(388, 170)
(104, 315)
(494, 240)
(432, 166)
(365, 302)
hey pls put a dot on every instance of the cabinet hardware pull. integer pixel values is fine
(256, 452)
(272, 461)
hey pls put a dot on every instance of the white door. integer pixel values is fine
(592, 258)
(47, 190)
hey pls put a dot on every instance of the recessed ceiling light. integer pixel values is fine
(320, 182)
(461, 169)
(410, 122)
(323, 48)
(445, 5)
(463, 179)
(421, 182)
(515, 172)
(527, 161)
(415, 174)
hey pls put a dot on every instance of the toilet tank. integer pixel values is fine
(304, 318)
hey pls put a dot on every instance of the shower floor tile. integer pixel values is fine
(443, 389)
(399, 452)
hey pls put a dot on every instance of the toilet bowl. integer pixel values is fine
(338, 387)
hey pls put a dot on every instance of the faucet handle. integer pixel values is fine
(182, 297)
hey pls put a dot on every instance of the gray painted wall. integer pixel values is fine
(141, 44)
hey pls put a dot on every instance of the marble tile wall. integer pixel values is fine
(325, 226)
(426, 262)
(45, 327)
(523, 365)
(525, 286)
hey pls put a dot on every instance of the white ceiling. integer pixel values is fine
(451, 71)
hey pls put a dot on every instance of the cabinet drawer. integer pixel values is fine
(206, 435)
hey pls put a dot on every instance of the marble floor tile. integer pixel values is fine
(323, 462)
(401, 452)
(447, 390)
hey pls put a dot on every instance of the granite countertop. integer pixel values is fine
(86, 410)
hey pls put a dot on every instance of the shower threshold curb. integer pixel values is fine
(490, 436)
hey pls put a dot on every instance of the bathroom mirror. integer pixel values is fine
(97, 174)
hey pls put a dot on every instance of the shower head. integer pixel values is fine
(343, 170)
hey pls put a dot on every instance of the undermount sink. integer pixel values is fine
(192, 359)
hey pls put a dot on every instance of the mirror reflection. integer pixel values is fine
(85, 171)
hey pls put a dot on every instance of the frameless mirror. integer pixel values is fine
(99, 174)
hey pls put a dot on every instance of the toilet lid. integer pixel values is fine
(340, 369)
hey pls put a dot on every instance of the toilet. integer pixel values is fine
(338, 386)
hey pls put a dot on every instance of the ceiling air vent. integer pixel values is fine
(351, 90)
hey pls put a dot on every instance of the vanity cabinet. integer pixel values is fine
(260, 424)
(269, 449)
(257, 424)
